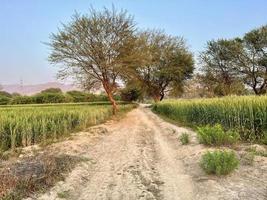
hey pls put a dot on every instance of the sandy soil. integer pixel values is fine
(140, 157)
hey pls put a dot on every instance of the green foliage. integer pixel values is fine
(184, 138)
(15, 94)
(55, 97)
(4, 100)
(264, 139)
(97, 49)
(219, 162)
(246, 114)
(52, 90)
(215, 135)
(26, 125)
(229, 65)
(22, 100)
(79, 96)
(130, 93)
(218, 74)
(49, 98)
(102, 97)
(5, 94)
(167, 63)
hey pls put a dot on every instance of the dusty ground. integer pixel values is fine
(140, 157)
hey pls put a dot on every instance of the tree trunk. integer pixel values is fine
(156, 98)
(161, 97)
(110, 97)
(255, 90)
(114, 104)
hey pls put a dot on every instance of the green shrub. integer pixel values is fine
(5, 94)
(184, 138)
(49, 98)
(219, 162)
(16, 94)
(52, 90)
(22, 100)
(215, 135)
(79, 96)
(130, 93)
(4, 100)
(101, 97)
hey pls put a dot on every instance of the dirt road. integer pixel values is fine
(140, 157)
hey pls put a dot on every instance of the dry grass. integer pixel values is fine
(32, 174)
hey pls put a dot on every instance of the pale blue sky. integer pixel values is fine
(25, 24)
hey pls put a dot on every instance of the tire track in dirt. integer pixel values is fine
(131, 162)
(140, 158)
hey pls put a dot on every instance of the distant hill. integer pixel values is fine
(33, 89)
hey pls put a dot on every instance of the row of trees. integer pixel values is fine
(52, 95)
(106, 49)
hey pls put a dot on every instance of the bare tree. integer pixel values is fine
(96, 49)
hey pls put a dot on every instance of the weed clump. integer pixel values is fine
(248, 158)
(184, 138)
(216, 136)
(219, 162)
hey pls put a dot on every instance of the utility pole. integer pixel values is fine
(21, 86)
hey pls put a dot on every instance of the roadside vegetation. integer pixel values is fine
(184, 138)
(34, 174)
(215, 135)
(52, 95)
(22, 126)
(244, 114)
(106, 50)
(219, 162)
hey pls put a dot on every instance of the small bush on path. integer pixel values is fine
(219, 162)
(184, 138)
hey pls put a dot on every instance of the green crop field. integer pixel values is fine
(246, 114)
(26, 125)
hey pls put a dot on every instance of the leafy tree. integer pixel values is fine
(102, 97)
(16, 94)
(96, 49)
(227, 65)
(251, 59)
(79, 96)
(167, 64)
(22, 100)
(131, 93)
(52, 90)
(4, 100)
(49, 98)
(217, 66)
(5, 94)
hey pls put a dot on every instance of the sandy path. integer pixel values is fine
(134, 161)
(140, 157)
